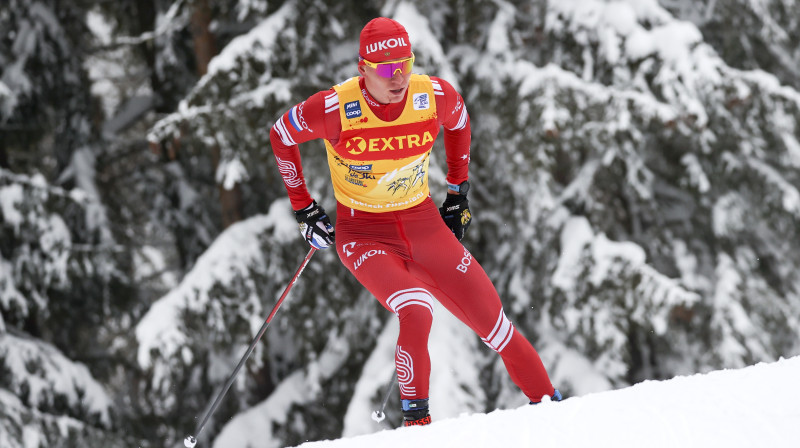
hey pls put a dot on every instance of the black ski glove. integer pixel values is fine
(315, 226)
(456, 214)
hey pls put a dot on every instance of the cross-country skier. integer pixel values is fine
(379, 130)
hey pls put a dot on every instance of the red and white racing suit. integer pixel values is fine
(389, 233)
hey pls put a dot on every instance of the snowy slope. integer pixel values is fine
(757, 406)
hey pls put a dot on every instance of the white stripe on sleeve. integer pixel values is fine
(283, 133)
(462, 120)
(331, 100)
(437, 88)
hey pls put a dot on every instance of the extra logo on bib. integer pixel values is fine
(352, 109)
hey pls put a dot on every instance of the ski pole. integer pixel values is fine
(191, 440)
(378, 416)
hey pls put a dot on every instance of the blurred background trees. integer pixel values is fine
(635, 193)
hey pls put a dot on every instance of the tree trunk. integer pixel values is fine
(230, 200)
(205, 45)
(205, 48)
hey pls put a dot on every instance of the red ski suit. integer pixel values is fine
(389, 233)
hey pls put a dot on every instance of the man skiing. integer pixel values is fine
(379, 129)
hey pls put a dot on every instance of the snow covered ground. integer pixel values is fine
(758, 406)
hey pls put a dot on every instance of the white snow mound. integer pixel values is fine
(753, 406)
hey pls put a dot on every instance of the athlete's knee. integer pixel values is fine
(412, 306)
(501, 333)
(417, 318)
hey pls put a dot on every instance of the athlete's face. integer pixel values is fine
(385, 90)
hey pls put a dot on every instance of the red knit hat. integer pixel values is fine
(383, 39)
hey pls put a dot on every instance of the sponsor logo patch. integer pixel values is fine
(352, 109)
(466, 260)
(296, 118)
(366, 255)
(421, 101)
(347, 247)
(386, 45)
(361, 168)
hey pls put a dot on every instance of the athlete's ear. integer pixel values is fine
(362, 69)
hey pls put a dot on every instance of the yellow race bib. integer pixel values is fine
(381, 166)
